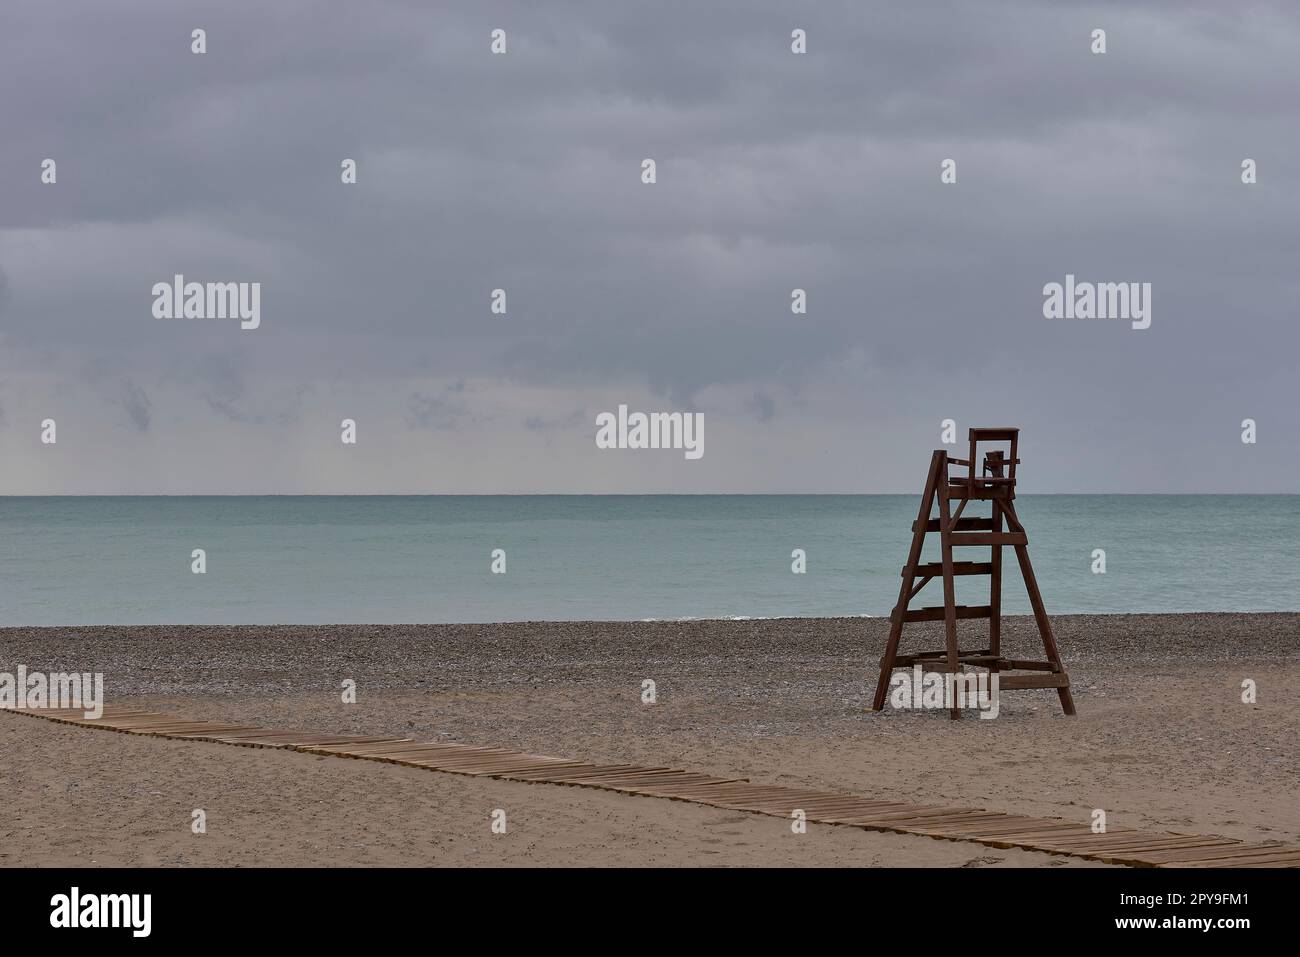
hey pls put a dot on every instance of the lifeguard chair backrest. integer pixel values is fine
(994, 460)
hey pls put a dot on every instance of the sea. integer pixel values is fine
(439, 559)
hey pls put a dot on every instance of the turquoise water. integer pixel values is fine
(384, 559)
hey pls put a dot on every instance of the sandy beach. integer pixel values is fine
(1162, 741)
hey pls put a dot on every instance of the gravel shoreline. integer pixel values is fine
(279, 659)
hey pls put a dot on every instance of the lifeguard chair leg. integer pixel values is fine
(937, 467)
(1040, 613)
(949, 590)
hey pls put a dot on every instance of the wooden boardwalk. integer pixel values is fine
(991, 828)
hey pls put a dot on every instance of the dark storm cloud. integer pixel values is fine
(444, 411)
(762, 406)
(139, 409)
(775, 171)
(567, 423)
(220, 376)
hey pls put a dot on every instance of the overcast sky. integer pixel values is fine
(523, 171)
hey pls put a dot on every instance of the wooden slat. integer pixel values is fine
(1271, 863)
(989, 538)
(559, 775)
(1035, 830)
(858, 818)
(980, 493)
(1267, 860)
(971, 658)
(946, 825)
(1278, 857)
(1087, 837)
(961, 525)
(1141, 844)
(1017, 664)
(984, 479)
(1222, 851)
(1020, 682)
(1038, 830)
(936, 613)
(935, 569)
(212, 732)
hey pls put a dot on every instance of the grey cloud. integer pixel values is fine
(541, 423)
(445, 412)
(139, 409)
(762, 405)
(221, 380)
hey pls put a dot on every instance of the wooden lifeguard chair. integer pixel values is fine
(991, 479)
